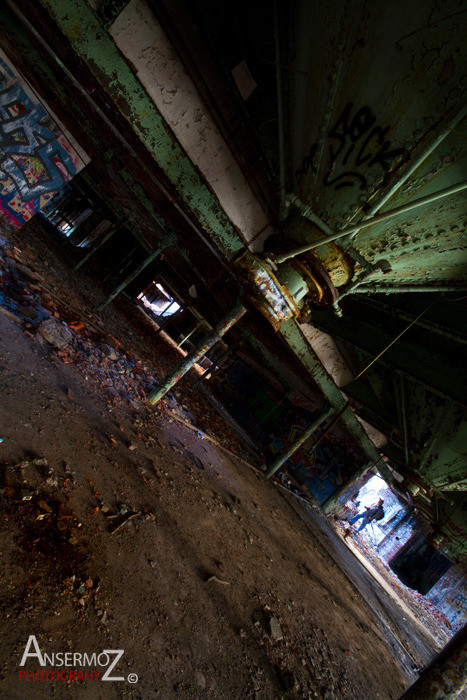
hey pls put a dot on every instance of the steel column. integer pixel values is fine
(279, 461)
(98, 245)
(341, 495)
(133, 275)
(198, 325)
(183, 367)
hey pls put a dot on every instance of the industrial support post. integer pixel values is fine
(133, 275)
(279, 461)
(220, 360)
(183, 367)
(446, 677)
(98, 245)
(343, 493)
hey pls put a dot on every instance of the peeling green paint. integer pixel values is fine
(82, 27)
(296, 341)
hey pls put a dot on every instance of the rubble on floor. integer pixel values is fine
(74, 339)
(432, 618)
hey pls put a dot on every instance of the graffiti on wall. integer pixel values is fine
(354, 141)
(36, 159)
(449, 595)
(322, 468)
(277, 422)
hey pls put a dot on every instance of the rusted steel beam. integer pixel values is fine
(279, 461)
(183, 367)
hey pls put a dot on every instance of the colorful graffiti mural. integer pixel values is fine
(322, 468)
(450, 597)
(36, 158)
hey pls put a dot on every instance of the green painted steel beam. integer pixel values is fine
(183, 367)
(134, 274)
(435, 373)
(81, 26)
(304, 435)
(294, 339)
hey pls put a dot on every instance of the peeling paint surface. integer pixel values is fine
(142, 40)
(78, 22)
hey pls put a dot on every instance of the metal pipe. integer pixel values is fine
(400, 313)
(305, 212)
(279, 461)
(183, 367)
(95, 248)
(190, 334)
(133, 275)
(405, 435)
(280, 108)
(416, 164)
(406, 289)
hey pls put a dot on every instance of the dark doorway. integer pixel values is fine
(419, 565)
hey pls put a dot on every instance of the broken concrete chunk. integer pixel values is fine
(275, 629)
(55, 333)
(28, 273)
(109, 352)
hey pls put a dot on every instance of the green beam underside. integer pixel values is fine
(296, 341)
(109, 10)
(413, 361)
(83, 29)
(373, 411)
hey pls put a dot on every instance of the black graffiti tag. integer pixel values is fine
(353, 142)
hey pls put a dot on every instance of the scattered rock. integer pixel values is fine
(55, 333)
(200, 680)
(275, 629)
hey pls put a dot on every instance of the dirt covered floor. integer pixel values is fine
(122, 528)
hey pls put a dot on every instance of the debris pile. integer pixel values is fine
(432, 618)
(100, 359)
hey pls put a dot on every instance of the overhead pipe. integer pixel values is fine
(432, 146)
(307, 213)
(404, 289)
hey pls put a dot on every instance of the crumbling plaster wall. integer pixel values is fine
(142, 40)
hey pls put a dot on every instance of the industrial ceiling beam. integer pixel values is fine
(307, 213)
(294, 339)
(81, 26)
(408, 316)
(420, 365)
